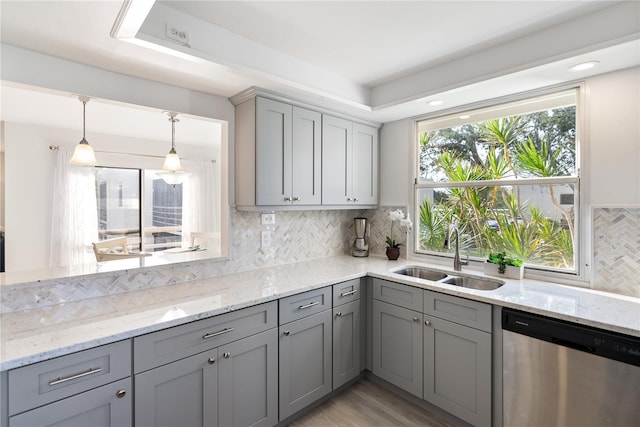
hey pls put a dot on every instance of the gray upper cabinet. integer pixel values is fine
(278, 154)
(349, 162)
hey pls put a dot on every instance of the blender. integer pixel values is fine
(360, 247)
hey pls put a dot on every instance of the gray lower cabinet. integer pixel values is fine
(457, 370)
(346, 343)
(397, 346)
(305, 362)
(109, 405)
(233, 385)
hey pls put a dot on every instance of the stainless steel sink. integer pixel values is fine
(422, 273)
(473, 282)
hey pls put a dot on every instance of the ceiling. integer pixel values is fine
(379, 60)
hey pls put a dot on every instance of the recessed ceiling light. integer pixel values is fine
(584, 66)
(464, 116)
(435, 102)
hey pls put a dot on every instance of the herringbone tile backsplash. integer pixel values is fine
(616, 250)
(303, 235)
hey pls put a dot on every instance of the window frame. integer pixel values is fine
(581, 271)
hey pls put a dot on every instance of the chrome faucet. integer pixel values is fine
(457, 263)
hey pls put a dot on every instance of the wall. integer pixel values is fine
(611, 176)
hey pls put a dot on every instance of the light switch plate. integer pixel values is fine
(265, 239)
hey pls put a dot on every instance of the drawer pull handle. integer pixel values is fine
(226, 355)
(121, 393)
(60, 380)
(311, 304)
(211, 361)
(426, 322)
(415, 319)
(339, 314)
(346, 294)
(215, 334)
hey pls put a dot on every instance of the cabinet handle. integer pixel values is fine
(296, 199)
(215, 334)
(346, 294)
(286, 333)
(211, 361)
(415, 319)
(287, 199)
(121, 393)
(226, 355)
(311, 304)
(355, 199)
(426, 322)
(60, 380)
(339, 314)
(349, 199)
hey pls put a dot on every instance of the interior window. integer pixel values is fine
(507, 176)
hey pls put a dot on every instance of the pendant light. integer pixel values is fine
(83, 155)
(172, 169)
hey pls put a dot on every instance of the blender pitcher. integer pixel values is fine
(360, 247)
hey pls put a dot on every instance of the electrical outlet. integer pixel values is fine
(268, 218)
(178, 35)
(265, 239)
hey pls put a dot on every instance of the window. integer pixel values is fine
(152, 225)
(507, 176)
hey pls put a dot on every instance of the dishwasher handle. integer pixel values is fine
(600, 342)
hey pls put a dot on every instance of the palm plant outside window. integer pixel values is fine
(507, 176)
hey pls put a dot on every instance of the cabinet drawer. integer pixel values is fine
(172, 344)
(346, 292)
(459, 310)
(45, 382)
(305, 304)
(398, 294)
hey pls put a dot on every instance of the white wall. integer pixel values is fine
(612, 144)
(613, 125)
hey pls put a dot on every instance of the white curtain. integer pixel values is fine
(74, 222)
(199, 194)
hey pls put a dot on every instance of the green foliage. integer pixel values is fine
(497, 219)
(503, 261)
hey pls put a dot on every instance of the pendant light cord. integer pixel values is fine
(84, 119)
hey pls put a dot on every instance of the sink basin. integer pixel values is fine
(473, 282)
(422, 273)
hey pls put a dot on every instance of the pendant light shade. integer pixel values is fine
(172, 169)
(83, 155)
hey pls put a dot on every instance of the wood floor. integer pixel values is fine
(367, 404)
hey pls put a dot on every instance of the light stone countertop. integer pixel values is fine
(39, 334)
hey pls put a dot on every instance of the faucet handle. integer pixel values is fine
(465, 262)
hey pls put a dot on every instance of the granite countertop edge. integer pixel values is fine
(40, 334)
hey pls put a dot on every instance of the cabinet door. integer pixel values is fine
(457, 370)
(336, 161)
(397, 346)
(305, 362)
(346, 343)
(365, 165)
(306, 157)
(106, 406)
(248, 381)
(182, 393)
(273, 152)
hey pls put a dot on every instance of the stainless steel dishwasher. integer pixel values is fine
(557, 373)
